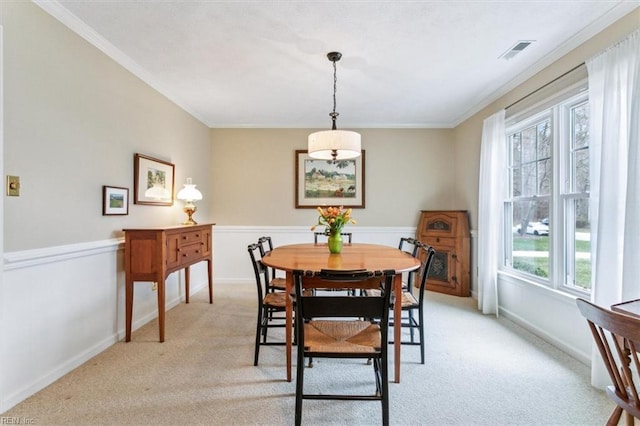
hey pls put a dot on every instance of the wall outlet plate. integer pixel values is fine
(13, 186)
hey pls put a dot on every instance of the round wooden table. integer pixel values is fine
(314, 257)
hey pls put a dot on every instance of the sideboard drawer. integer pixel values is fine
(190, 237)
(190, 252)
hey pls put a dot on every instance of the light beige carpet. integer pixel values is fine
(480, 371)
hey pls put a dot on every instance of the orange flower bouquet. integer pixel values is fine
(333, 219)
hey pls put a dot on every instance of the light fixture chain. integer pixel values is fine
(335, 85)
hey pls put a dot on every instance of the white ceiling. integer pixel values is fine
(405, 63)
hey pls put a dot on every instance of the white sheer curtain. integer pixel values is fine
(490, 199)
(614, 98)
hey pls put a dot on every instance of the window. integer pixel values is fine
(547, 206)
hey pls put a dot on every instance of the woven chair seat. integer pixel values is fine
(342, 336)
(279, 283)
(278, 300)
(408, 299)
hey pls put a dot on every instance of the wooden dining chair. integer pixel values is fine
(271, 305)
(276, 283)
(413, 300)
(413, 304)
(409, 246)
(621, 331)
(325, 233)
(330, 326)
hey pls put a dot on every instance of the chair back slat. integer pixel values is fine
(342, 306)
(261, 272)
(608, 329)
(313, 305)
(427, 253)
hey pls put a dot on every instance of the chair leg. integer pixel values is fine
(299, 386)
(629, 419)
(411, 321)
(385, 392)
(421, 328)
(615, 416)
(258, 331)
(265, 321)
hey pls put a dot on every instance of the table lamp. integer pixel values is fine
(189, 194)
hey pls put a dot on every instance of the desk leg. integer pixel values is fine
(210, 274)
(129, 308)
(289, 322)
(161, 309)
(397, 328)
(187, 277)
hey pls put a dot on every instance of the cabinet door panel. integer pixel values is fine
(173, 250)
(447, 231)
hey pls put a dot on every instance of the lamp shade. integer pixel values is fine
(334, 145)
(189, 192)
(157, 192)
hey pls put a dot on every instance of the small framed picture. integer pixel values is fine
(115, 200)
(153, 181)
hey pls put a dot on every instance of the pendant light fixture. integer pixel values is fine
(334, 144)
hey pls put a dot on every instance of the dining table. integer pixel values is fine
(316, 256)
(628, 307)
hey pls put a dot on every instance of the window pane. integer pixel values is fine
(580, 148)
(544, 139)
(580, 125)
(516, 182)
(529, 145)
(516, 149)
(581, 171)
(530, 237)
(579, 242)
(544, 177)
(529, 180)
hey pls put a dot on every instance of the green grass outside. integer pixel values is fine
(539, 266)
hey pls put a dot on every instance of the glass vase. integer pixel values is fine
(335, 242)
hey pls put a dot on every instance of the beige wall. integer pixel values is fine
(468, 134)
(73, 121)
(253, 176)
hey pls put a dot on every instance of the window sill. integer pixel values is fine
(511, 278)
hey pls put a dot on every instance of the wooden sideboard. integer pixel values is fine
(447, 231)
(151, 254)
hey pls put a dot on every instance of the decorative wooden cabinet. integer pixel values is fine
(447, 231)
(151, 254)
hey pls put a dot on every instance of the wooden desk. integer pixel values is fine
(151, 254)
(314, 257)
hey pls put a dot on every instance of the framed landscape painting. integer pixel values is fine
(153, 181)
(115, 200)
(329, 183)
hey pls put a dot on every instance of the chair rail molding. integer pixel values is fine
(231, 262)
(34, 257)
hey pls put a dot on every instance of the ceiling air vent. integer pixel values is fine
(515, 49)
